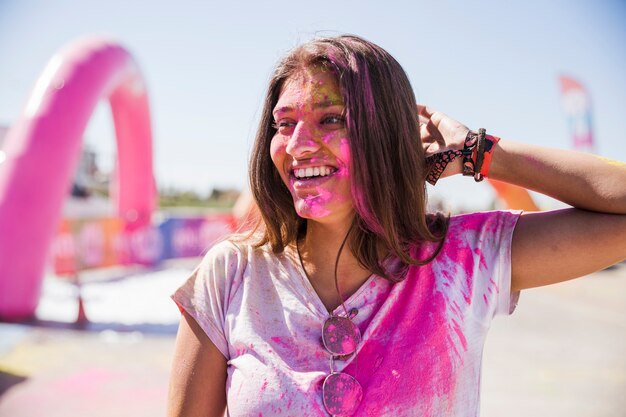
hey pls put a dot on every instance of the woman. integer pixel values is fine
(350, 299)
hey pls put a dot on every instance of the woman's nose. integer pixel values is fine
(303, 141)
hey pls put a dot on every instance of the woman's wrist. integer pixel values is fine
(473, 160)
(477, 154)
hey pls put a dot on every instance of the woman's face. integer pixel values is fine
(310, 148)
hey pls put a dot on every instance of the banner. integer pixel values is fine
(577, 106)
(98, 243)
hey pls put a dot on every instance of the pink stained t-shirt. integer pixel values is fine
(422, 338)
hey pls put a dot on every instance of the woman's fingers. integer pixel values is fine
(438, 131)
(431, 137)
(424, 111)
(431, 114)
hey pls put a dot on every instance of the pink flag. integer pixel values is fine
(577, 105)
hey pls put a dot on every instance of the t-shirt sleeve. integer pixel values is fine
(206, 293)
(480, 246)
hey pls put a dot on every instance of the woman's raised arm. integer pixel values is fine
(558, 245)
(553, 246)
(198, 378)
(579, 179)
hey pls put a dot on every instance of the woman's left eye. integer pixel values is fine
(333, 119)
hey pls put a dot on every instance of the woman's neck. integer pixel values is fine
(319, 250)
(324, 240)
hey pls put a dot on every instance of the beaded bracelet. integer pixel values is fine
(477, 152)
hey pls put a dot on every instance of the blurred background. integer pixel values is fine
(100, 334)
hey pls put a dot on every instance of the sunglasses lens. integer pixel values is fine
(342, 394)
(340, 336)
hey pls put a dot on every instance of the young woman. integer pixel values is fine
(351, 299)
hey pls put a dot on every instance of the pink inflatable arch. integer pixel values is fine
(42, 152)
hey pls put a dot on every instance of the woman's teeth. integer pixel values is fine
(312, 172)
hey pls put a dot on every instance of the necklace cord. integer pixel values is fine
(345, 239)
(343, 243)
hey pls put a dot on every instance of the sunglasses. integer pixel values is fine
(341, 392)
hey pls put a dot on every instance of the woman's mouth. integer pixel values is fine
(311, 176)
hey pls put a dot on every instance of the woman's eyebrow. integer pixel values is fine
(321, 104)
(328, 103)
(283, 109)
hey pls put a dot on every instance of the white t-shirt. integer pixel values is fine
(422, 338)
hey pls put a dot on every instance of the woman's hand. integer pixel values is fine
(440, 133)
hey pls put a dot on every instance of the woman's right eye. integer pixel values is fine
(283, 125)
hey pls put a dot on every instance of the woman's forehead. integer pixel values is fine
(309, 87)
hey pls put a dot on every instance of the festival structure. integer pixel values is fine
(42, 150)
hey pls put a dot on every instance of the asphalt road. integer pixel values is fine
(560, 354)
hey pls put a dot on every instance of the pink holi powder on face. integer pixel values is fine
(344, 148)
(307, 139)
(316, 206)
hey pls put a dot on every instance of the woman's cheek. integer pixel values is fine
(278, 151)
(344, 150)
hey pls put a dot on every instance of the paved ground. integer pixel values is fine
(560, 354)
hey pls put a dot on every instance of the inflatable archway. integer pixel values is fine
(42, 151)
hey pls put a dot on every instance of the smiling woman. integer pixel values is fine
(349, 298)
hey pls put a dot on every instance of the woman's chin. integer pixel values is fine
(308, 209)
(324, 213)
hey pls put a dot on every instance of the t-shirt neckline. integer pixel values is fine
(315, 298)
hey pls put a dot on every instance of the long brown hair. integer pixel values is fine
(387, 159)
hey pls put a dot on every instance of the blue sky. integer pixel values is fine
(490, 64)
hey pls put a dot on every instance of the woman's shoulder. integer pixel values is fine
(480, 220)
(484, 230)
(234, 246)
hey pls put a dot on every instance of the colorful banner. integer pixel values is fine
(97, 243)
(189, 237)
(85, 244)
(577, 106)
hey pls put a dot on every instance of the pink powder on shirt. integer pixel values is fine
(418, 344)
